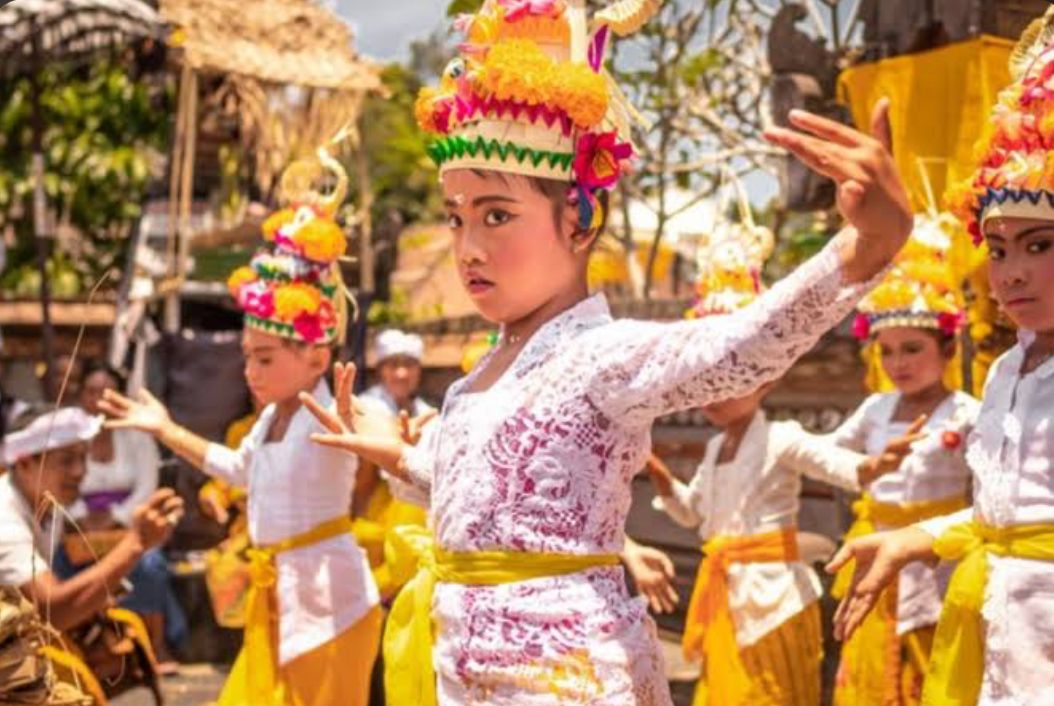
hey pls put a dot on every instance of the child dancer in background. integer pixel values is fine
(994, 644)
(754, 618)
(911, 321)
(312, 622)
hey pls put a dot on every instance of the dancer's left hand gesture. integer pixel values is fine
(353, 427)
(653, 573)
(879, 558)
(870, 194)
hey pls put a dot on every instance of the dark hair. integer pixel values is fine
(100, 366)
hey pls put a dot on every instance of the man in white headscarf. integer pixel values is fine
(399, 356)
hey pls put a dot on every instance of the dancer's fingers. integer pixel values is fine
(328, 419)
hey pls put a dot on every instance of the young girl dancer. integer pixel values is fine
(911, 319)
(754, 619)
(529, 466)
(994, 643)
(312, 622)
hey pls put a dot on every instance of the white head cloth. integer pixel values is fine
(54, 430)
(394, 343)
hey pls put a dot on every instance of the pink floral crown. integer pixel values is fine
(293, 289)
(529, 95)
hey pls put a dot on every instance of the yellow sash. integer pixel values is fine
(260, 617)
(709, 629)
(409, 675)
(868, 513)
(957, 661)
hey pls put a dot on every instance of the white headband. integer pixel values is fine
(394, 343)
(54, 430)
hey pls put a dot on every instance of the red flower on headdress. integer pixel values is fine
(309, 327)
(861, 327)
(598, 160)
(950, 322)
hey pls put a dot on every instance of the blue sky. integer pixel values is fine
(384, 28)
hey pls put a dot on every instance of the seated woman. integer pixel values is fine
(122, 471)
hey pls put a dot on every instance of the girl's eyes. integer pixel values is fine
(497, 217)
(995, 253)
(1037, 247)
(454, 221)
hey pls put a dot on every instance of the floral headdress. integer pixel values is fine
(922, 290)
(731, 258)
(1015, 174)
(529, 95)
(293, 289)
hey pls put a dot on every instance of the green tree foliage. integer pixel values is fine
(104, 134)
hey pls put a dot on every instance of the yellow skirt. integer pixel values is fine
(880, 668)
(337, 672)
(783, 668)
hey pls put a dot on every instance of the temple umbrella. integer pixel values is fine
(34, 33)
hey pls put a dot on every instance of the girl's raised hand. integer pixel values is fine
(353, 427)
(146, 413)
(870, 194)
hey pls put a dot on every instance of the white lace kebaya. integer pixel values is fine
(934, 470)
(542, 462)
(1011, 453)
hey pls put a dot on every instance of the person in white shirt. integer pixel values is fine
(313, 622)
(994, 644)
(910, 323)
(754, 619)
(46, 465)
(398, 362)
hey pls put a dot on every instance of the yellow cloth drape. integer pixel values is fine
(383, 513)
(783, 667)
(940, 106)
(337, 672)
(867, 513)
(710, 633)
(409, 674)
(261, 616)
(957, 661)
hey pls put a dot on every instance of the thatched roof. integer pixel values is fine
(70, 28)
(278, 41)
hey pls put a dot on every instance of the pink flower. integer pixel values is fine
(861, 327)
(258, 301)
(950, 322)
(308, 327)
(517, 9)
(598, 160)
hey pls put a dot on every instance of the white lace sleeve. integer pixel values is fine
(419, 462)
(644, 370)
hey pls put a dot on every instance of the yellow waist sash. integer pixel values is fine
(868, 513)
(957, 660)
(409, 674)
(260, 617)
(709, 629)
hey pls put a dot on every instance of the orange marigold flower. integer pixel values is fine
(321, 240)
(239, 278)
(275, 221)
(292, 300)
